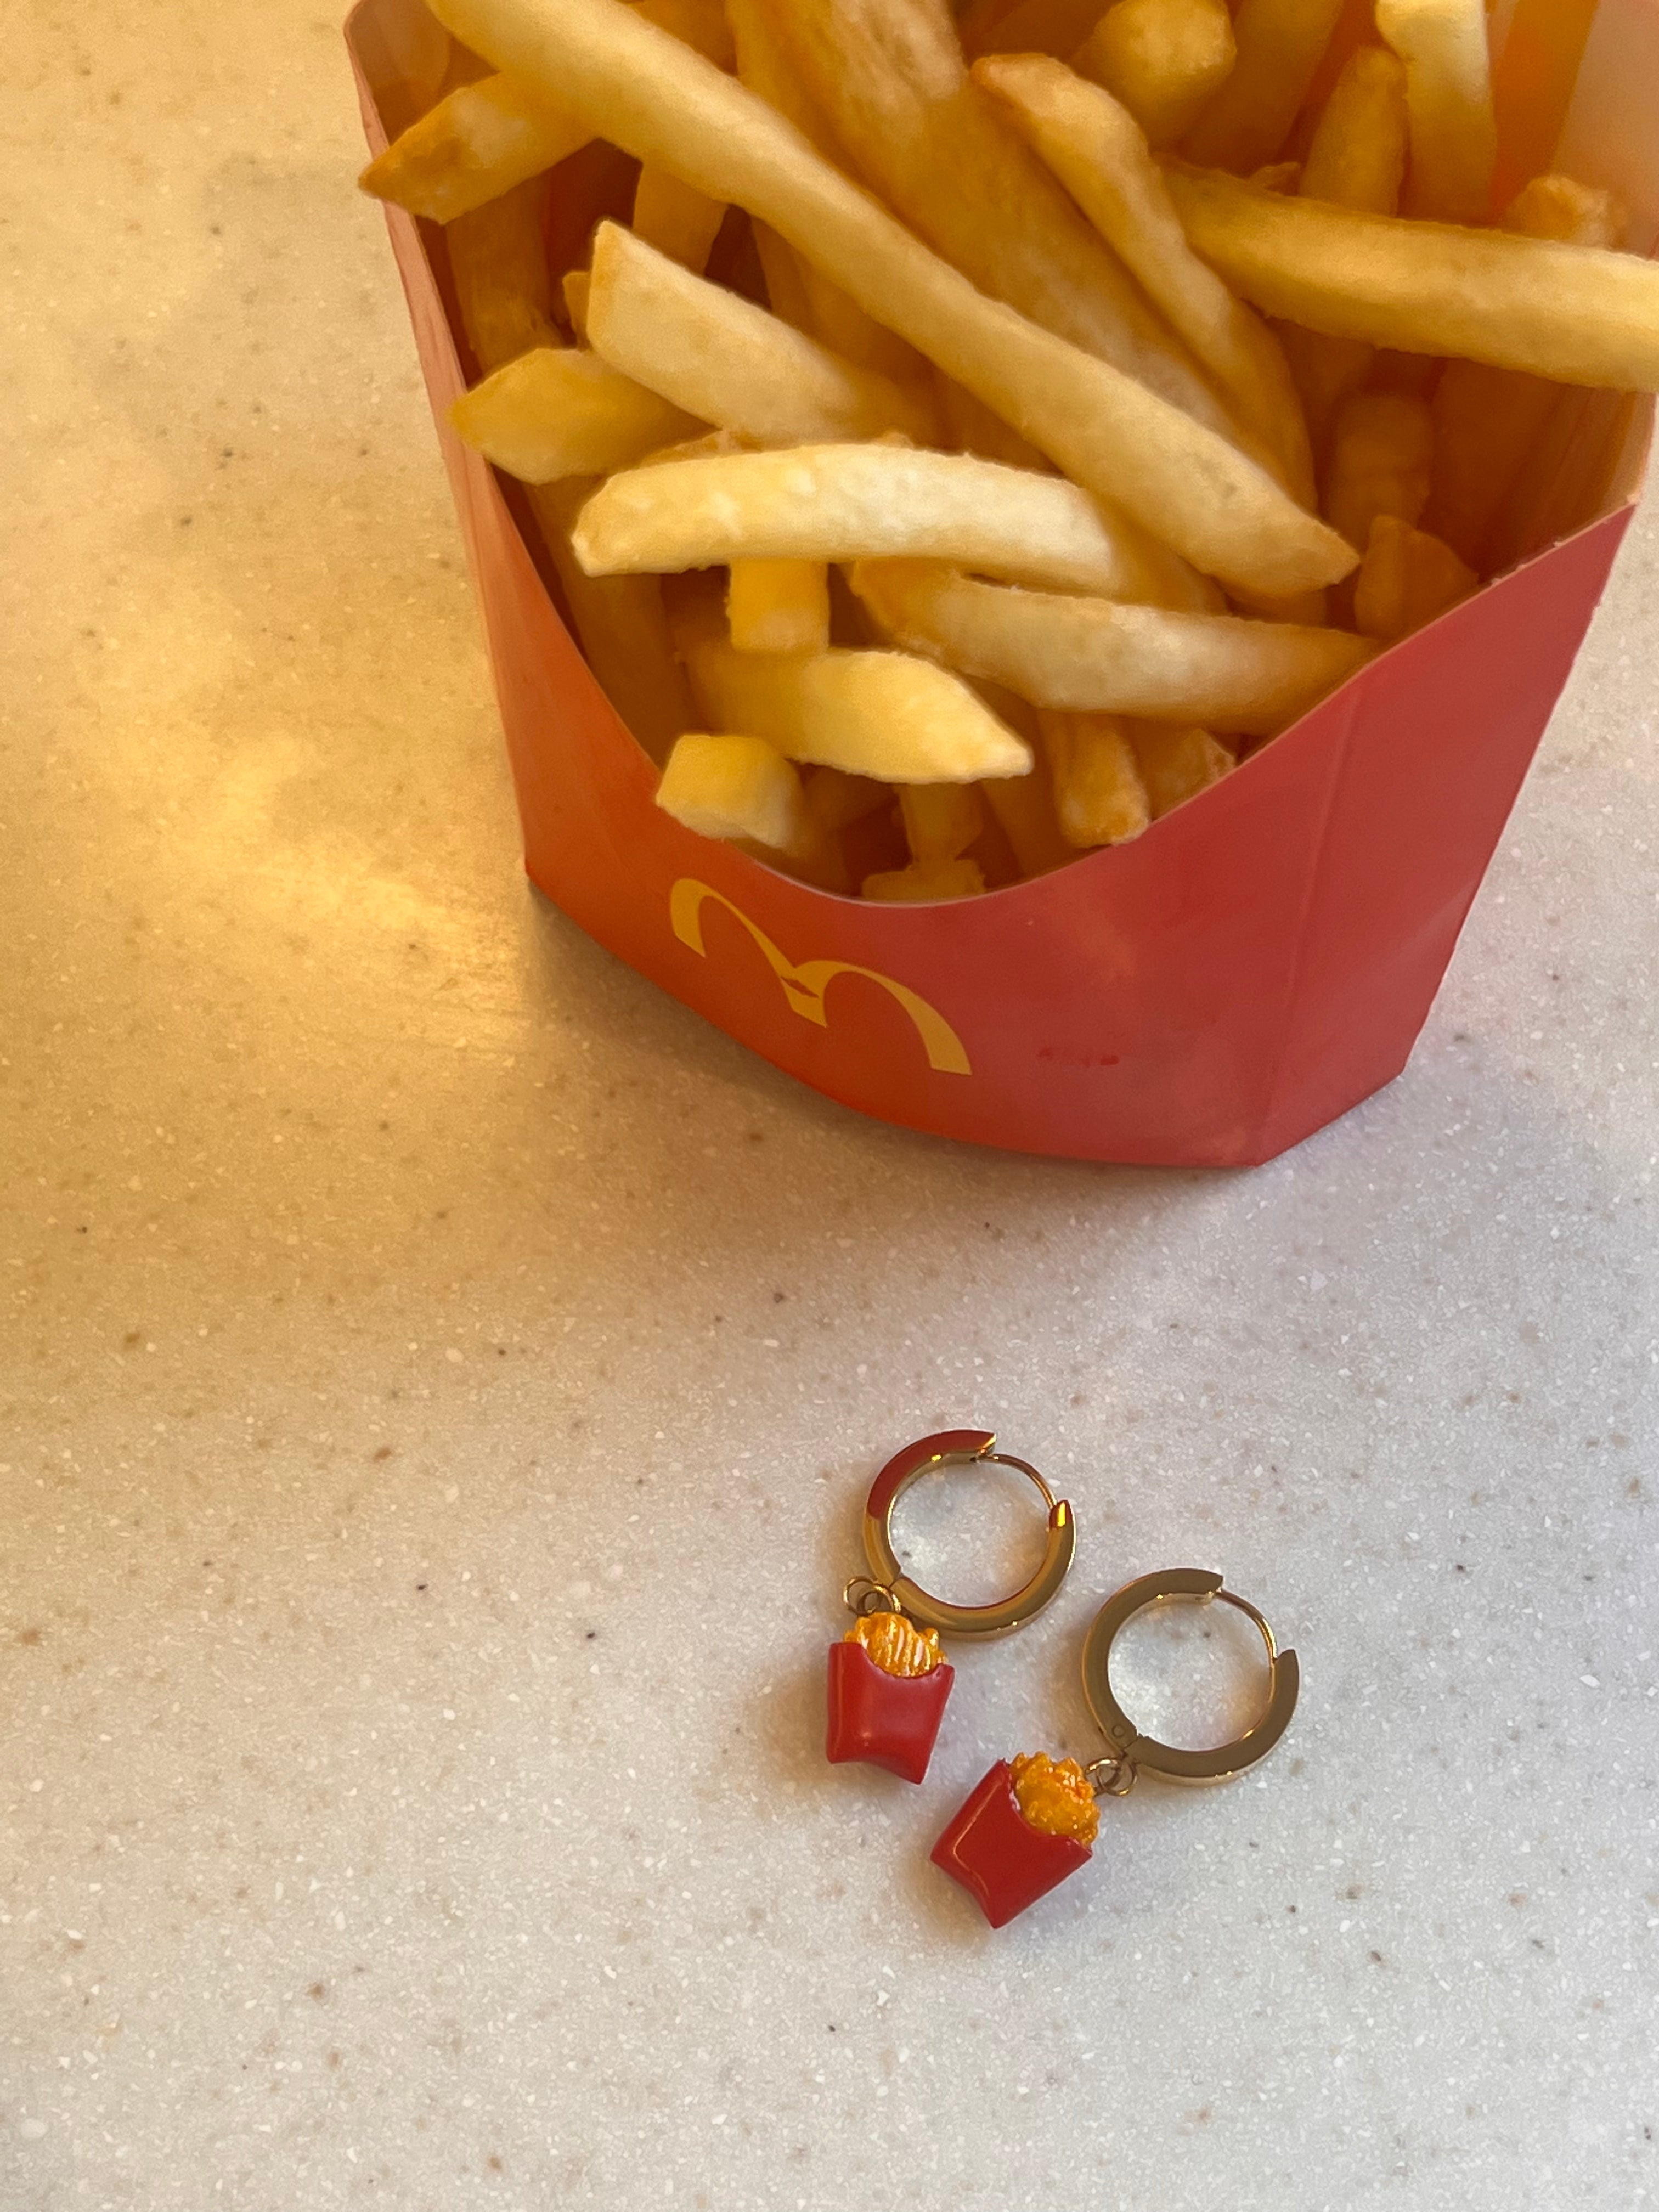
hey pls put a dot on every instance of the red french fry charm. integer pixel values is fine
(882, 1719)
(995, 1853)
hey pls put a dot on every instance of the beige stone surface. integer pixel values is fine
(438, 1378)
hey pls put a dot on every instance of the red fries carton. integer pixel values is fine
(1257, 963)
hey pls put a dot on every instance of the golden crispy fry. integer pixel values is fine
(1099, 798)
(1054, 1796)
(1218, 509)
(1487, 420)
(849, 502)
(722, 357)
(1175, 765)
(1087, 655)
(1056, 28)
(778, 606)
(676, 219)
(836, 800)
(896, 1646)
(882, 714)
(622, 627)
(890, 76)
(1406, 579)
(476, 143)
(1277, 176)
(1381, 462)
(969, 427)
(925, 880)
(501, 284)
(1357, 159)
(1577, 315)
(1097, 150)
(1454, 135)
(1163, 59)
(737, 786)
(1280, 45)
(941, 820)
(556, 412)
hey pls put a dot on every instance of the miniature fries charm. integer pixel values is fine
(1032, 1820)
(888, 1679)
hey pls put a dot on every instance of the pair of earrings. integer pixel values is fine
(1031, 1821)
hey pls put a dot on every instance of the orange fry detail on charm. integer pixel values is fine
(1054, 1796)
(894, 1645)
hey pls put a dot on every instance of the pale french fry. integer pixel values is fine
(881, 714)
(778, 606)
(890, 76)
(1175, 765)
(659, 102)
(849, 502)
(557, 412)
(1088, 656)
(969, 427)
(1099, 798)
(1407, 579)
(476, 143)
(676, 219)
(733, 786)
(1357, 159)
(622, 627)
(833, 317)
(1381, 462)
(1487, 420)
(1100, 153)
(1056, 28)
(1277, 176)
(723, 358)
(1575, 313)
(1454, 133)
(925, 881)
(1280, 45)
(1023, 808)
(836, 800)
(785, 285)
(941, 820)
(501, 284)
(1163, 59)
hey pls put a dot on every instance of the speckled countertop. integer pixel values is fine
(438, 1376)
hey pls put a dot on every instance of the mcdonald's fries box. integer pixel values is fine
(1258, 961)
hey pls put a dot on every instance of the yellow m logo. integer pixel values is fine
(804, 987)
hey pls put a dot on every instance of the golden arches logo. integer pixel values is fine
(805, 987)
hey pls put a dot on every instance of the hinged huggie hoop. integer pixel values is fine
(1131, 1751)
(962, 1448)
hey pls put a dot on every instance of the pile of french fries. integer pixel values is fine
(991, 427)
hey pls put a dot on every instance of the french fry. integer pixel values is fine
(969, 427)
(836, 800)
(1099, 798)
(1407, 579)
(881, 715)
(1487, 420)
(621, 626)
(725, 359)
(1454, 133)
(1381, 462)
(1277, 176)
(676, 219)
(1186, 484)
(574, 285)
(941, 820)
(1575, 313)
(557, 412)
(1357, 159)
(1163, 59)
(890, 78)
(501, 284)
(476, 143)
(778, 606)
(1280, 45)
(1056, 28)
(1022, 807)
(1087, 656)
(1100, 153)
(926, 881)
(1175, 765)
(733, 787)
(849, 502)
(785, 285)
